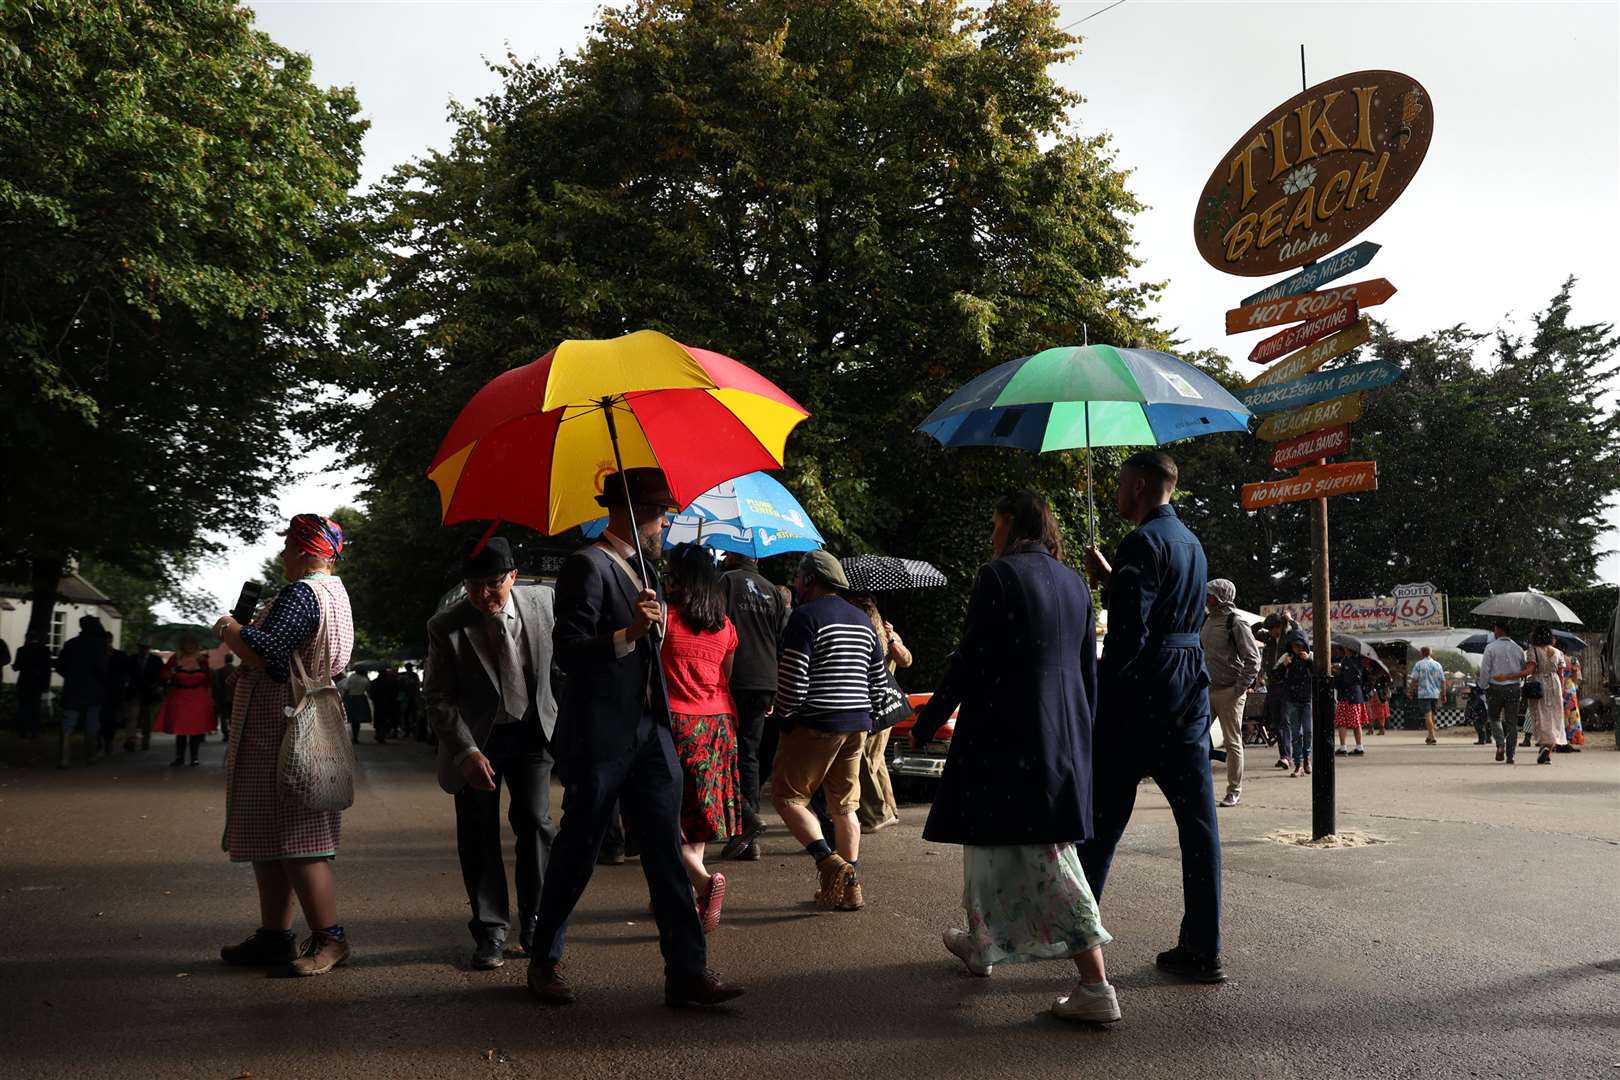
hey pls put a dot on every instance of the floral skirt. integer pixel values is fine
(711, 804)
(1346, 715)
(1378, 711)
(1029, 902)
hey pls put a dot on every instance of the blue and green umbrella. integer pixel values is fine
(1080, 397)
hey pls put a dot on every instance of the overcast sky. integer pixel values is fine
(1521, 186)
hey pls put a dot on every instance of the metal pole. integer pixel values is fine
(1091, 509)
(1324, 790)
(635, 533)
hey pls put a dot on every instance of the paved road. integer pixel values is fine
(1479, 942)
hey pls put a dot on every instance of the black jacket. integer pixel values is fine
(605, 695)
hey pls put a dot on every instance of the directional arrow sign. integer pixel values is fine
(1321, 386)
(1364, 294)
(1287, 425)
(1318, 274)
(1297, 337)
(1322, 482)
(1312, 357)
(1318, 444)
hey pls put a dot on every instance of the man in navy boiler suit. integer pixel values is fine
(1153, 710)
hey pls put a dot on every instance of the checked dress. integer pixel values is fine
(311, 617)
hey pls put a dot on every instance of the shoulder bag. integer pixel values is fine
(315, 767)
(1532, 689)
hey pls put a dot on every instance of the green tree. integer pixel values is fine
(1497, 454)
(175, 221)
(869, 201)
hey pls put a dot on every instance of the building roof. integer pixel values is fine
(72, 589)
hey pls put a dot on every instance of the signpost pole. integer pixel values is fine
(1323, 794)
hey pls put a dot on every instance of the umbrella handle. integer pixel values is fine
(635, 534)
(1091, 509)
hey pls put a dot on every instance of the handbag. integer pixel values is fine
(894, 705)
(1532, 689)
(315, 766)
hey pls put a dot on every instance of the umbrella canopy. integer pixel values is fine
(1358, 647)
(1531, 605)
(885, 573)
(1084, 396)
(753, 515)
(535, 445)
(1566, 642)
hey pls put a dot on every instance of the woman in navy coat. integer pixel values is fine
(1016, 791)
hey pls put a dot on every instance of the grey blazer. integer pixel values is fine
(462, 688)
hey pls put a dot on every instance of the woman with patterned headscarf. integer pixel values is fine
(291, 847)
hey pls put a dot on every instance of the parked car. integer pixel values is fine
(918, 769)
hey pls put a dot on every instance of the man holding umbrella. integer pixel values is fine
(1153, 713)
(613, 742)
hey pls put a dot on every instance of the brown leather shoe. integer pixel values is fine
(547, 984)
(320, 954)
(854, 897)
(705, 989)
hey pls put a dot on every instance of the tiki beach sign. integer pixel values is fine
(1313, 173)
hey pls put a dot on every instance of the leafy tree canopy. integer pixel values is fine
(173, 212)
(869, 202)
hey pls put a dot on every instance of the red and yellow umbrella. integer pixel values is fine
(535, 444)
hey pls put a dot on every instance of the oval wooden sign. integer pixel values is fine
(1313, 173)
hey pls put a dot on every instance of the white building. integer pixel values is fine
(75, 598)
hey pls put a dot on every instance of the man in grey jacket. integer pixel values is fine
(491, 704)
(1233, 658)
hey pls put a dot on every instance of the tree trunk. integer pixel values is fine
(47, 575)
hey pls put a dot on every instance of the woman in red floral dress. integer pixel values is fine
(697, 653)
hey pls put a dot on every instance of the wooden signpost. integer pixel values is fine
(1296, 337)
(1322, 386)
(1305, 180)
(1314, 356)
(1321, 482)
(1317, 274)
(1329, 442)
(1364, 294)
(1288, 425)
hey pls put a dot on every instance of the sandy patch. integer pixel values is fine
(1348, 838)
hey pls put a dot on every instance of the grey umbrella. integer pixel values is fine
(1531, 605)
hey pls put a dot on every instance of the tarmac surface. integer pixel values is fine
(1479, 941)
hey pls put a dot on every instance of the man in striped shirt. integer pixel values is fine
(830, 679)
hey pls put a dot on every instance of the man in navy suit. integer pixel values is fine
(1153, 705)
(613, 743)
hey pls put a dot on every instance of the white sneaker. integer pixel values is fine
(1088, 1006)
(961, 946)
(1231, 799)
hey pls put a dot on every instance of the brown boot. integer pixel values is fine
(320, 954)
(853, 898)
(836, 877)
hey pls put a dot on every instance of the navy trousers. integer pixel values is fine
(1175, 752)
(648, 781)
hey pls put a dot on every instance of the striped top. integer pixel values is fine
(831, 668)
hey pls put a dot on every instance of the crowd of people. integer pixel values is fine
(665, 691)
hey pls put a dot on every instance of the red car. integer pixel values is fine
(926, 764)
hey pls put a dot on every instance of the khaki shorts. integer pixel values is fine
(807, 759)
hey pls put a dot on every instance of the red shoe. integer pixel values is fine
(713, 900)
